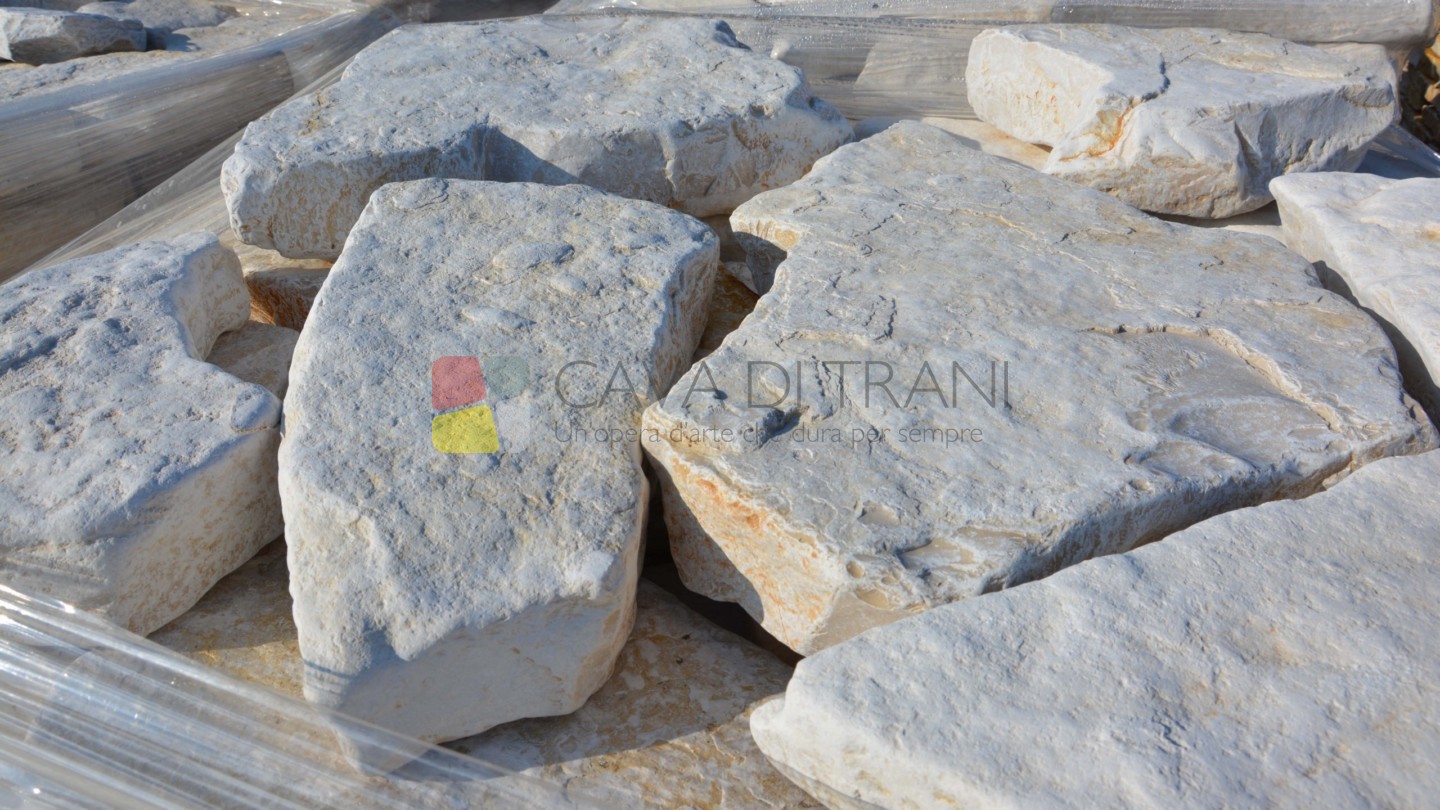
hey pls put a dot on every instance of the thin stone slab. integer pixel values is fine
(1195, 122)
(446, 579)
(1078, 380)
(1377, 242)
(671, 111)
(133, 474)
(39, 36)
(1276, 656)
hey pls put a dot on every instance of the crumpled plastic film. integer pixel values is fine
(72, 157)
(1374, 21)
(93, 716)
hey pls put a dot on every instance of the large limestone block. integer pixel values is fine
(993, 374)
(1376, 241)
(39, 36)
(442, 593)
(1276, 656)
(672, 111)
(1179, 121)
(161, 17)
(134, 474)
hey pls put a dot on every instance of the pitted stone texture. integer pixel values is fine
(1194, 122)
(1157, 375)
(1276, 656)
(161, 17)
(671, 111)
(1377, 241)
(40, 36)
(442, 594)
(135, 474)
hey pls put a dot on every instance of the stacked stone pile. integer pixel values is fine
(542, 340)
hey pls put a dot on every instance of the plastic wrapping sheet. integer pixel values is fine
(72, 157)
(92, 716)
(1376, 21)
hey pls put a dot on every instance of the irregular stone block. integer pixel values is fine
(672, 111)
(1180, 121)
(442, 593)
(1377, 242)
(135, 474)
(281, 290)
(161, 17)
(38, 36)
(969, 375)
(257, 353)
(1281, 655)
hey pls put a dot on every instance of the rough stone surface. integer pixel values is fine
(1180, 121)
(281, 290)
(1157, 375)
(161, 17)
(38, 36)
(1276, 656)
(672, 111)
(257, 353)
(243, 626)
(135, 475)
(732, 302)
(1376, 241)
(441, 594)
(670, 728)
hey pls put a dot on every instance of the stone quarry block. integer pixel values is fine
(281, 290)
(1376, 241)
(672, 111)
(39, 36)
(904, 422)
(134, 474)
(162, 17)
(1180, 121)
(441, 589)
(1281, 655)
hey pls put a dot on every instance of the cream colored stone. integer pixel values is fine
(1127, 378)
(281, 290)
(257, 353)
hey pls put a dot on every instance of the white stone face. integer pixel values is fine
(438, 593)
(160, 17)
(671, 111)
(133, 474)
(38, 36)
(1378, 242)
(1194, 122)
(1276, 656)
(1157, 375)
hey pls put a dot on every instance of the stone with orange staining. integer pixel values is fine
(673, 111)
(1186, 121)
(1279, 655)
(1377, 241)
(457, 569)
(968, 375)
(134, 474)
(281, 290)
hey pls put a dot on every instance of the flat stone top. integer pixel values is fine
(578, 78)
(1384, 227)
(104, 398)
(1147, 362)
(527, 278)
(1281, 655)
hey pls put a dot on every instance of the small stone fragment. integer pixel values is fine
(731, 304)
(455, 568)
(257, 353)
(1277, 656)
(671, 111)
(1184, 121)
(39, 36)
(968, 375)
(133, 474)
(281, 290)
(1377, 242)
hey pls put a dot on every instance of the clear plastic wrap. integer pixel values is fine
(72, 157)
(1377, 21)
(92, 716)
